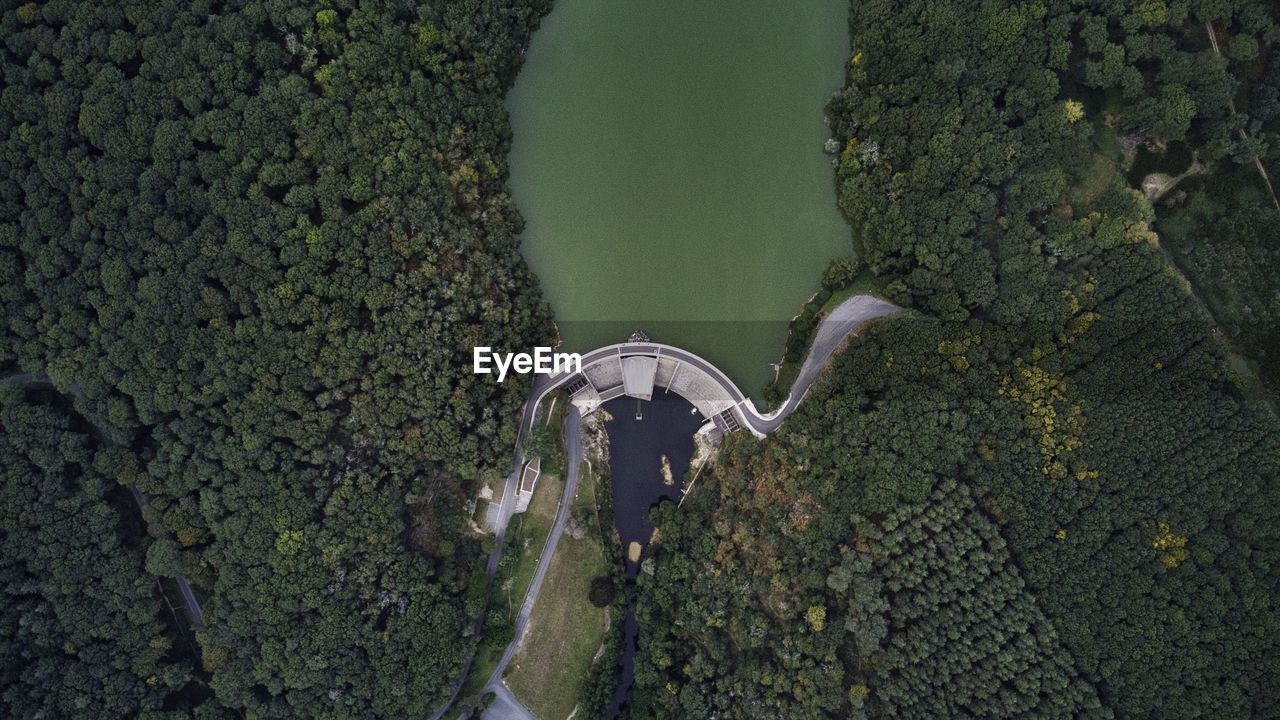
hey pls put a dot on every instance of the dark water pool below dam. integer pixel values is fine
(641, 434)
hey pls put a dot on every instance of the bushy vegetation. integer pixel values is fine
(924, 606)
(1042, 492)
(961, 634)
(258, 241)
(555, 669)
(839, 281)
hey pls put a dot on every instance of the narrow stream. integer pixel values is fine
(641, 435)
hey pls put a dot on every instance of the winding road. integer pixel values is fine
(838, 325)
(193, 605)
(1244, 134)
(835, 328)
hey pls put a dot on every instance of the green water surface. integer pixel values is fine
(668, 160)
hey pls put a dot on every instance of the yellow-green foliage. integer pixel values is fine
(1052, 419)
(816, 617)
(1172, 546)
(1073, 110)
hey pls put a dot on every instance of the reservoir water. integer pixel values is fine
(668, 160)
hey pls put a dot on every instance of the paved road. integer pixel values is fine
(506, 508)
(506, 706)
(840, 324)
(193, 605)
(507, 505)
(833, 330)
(1244, 135)
(25, 378)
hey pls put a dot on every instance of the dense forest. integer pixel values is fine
(1047, 489)
(253, 243)
(86, 631)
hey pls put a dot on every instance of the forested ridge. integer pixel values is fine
(258, 240)
(1044, 491)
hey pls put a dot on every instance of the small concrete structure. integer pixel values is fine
(530, 478)
(528, 481)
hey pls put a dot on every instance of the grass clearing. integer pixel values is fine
(1100, 174)
(565, 630)
(1106, 163)
(481, 511)
(525, 538)
(527, 534)
(529, 530)
(1105, 140)
(864, 284)
(482, 667)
